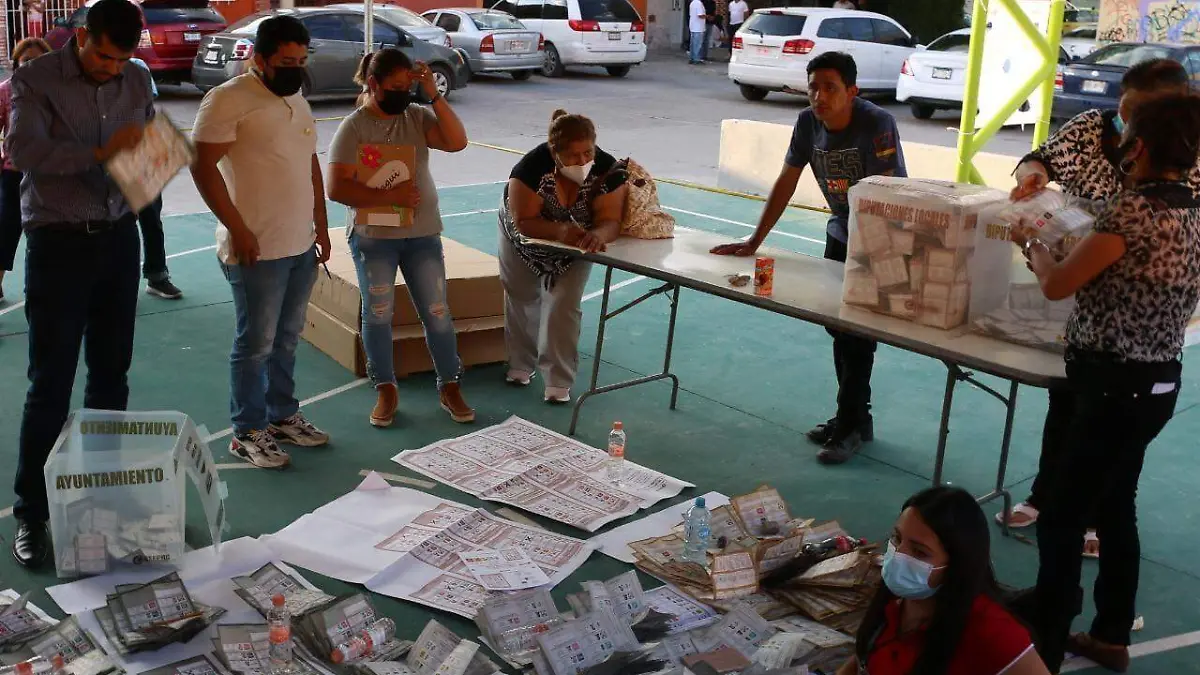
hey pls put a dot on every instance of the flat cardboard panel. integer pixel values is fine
(480, 341)
(473, 286)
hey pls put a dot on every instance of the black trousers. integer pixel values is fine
(853, 360)
(154, 262)
(10, 217)
(1116, 410)
(80, 291)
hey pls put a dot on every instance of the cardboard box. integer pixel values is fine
(480, 341)
(472, 286)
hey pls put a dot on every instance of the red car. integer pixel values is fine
(174, 30)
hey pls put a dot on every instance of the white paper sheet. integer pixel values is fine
(615, 542)
(688, 612)
(508, 569)
(532, 468)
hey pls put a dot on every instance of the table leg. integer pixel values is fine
(608, 272)
(952, 376)
(670, 346)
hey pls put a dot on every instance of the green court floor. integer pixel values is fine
(752, 384)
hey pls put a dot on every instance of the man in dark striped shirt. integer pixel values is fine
(72, 111)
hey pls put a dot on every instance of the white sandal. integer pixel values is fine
(1088, 538)
(1024, 509)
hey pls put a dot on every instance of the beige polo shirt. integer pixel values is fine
(268, 169)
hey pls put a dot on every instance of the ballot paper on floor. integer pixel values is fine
(405, 544)
(115, 483)
(615, 542)
(532, 468)
(508, 569)
(687, 612)
(143, 172)
(20, 619)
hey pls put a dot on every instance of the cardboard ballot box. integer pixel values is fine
(910, 244)
(115, 483)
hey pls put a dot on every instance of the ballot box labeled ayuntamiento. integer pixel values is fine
(116, 485)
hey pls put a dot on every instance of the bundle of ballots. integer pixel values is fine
(258, 587)
(324, 629)
(437, 651)
(64, 642)
(18, 623)
(145, 617)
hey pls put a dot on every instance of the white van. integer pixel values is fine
(606, 33)
(772, 50)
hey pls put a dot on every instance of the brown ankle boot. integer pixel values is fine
(452, 402)
(385, 406)
(1111, 657)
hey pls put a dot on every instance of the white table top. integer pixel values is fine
(810, 289)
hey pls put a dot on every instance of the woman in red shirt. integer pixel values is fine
(938, 612)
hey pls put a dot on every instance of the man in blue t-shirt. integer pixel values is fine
(844, 138)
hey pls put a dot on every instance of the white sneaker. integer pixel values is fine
(519, 378)
(557, 395)
(260, 449)
(298, 431)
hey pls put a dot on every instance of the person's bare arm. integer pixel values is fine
(320, 212)
(1059, 280)
(607, 211)
(526, 208)
(449, 134)
(850, 667)
(344, 188)
(1029, 664)
(777, 201)
(215, 192)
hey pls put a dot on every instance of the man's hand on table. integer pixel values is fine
(742, 249)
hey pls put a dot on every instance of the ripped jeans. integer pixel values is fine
(421, 261)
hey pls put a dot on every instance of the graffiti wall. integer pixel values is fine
(1149, 21)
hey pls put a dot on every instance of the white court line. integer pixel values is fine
(395, 478)
(741, 224)
(1167, 644)
(195, 250)
(234, 465)
(308, 401)
(623, 284)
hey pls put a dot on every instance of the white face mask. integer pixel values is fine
(576, 174)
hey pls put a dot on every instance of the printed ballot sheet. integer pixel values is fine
(508, 569)
(143, 173)
(532, 468)
(406, 544)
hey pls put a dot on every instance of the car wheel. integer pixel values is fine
(922, 112)
(553, 65)
(752, 93)
(443, 80)
(522, 75)
(618, 71)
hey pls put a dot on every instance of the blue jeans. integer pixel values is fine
(695, 45)
(270, 298)
(706, 36)
(421, 262)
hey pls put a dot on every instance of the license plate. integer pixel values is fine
(212, 56)
(517, 46)
(762, 51)
(614, 37)
(1094, 87)
(191, 37)
(942, 73)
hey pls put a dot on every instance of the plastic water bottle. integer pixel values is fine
(697, 525)
(614, 468)
(279, 625)
(35, 666)
(378, 633)
(841, 544)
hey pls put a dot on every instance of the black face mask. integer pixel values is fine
(286, 81)
(394, 102)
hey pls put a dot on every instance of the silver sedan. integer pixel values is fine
(495, 42)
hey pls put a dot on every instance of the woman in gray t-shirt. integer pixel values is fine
(379, 161)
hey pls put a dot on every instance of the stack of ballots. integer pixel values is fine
(146, 617)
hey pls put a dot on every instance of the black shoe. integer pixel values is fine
(824, 433)
(164, 289)
(31, 546)
(841, 448)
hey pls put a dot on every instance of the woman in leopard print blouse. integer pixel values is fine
(1136, 281)
(1082, 159)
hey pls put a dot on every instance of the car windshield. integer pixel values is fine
(403, 17)
(950, 43)
(158, 15)
(777, 25)
(608, 10)
(1126, 55)
(495, 21)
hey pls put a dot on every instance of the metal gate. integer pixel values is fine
(32, 18)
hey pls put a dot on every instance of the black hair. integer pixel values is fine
(379, 65)
(277, 31)
(1169, 128)
(1155, 74)
(842, 62)
(962, 528)
(118, 20)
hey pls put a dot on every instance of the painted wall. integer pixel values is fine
(1149, 21)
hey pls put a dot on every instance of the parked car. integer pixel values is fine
(336, 48)
(933, 78)
(416, 25)
(1095, 80)
(1080, 42)
(774, 46)
(606, 33)
(1075, 17)
(495, 42)
(174, 30)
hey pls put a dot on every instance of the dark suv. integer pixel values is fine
(174, 30)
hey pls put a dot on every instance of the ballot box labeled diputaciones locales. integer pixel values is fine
(910, 246)
(115, 483)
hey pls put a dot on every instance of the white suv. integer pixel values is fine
(606, 33)
(774, 46)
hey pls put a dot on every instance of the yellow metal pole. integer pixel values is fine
(966, 172)
(1054, 36)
